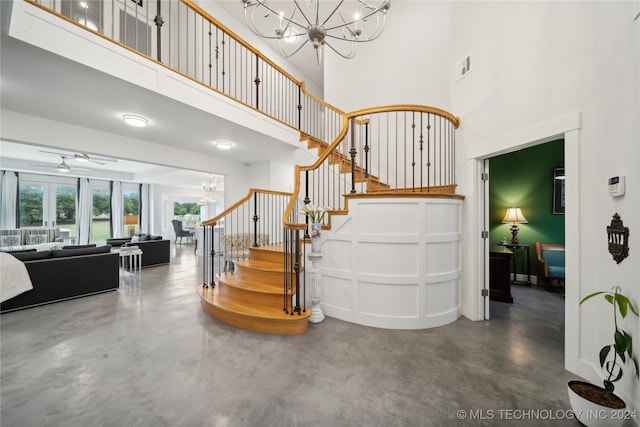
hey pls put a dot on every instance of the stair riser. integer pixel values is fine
(250, 297)
(292, 327)
(270, 256)
(271, 278)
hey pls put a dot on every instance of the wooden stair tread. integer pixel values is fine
(250, 285)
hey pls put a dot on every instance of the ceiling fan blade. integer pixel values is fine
(73, 168)
(57, 153)
(102, 159)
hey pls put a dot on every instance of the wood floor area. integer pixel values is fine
(252, 296)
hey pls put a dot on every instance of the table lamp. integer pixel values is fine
(131, 220)
(514, 217)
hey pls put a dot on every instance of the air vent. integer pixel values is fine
(463, 67)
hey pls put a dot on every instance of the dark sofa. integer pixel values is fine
(155, 249)
(63, 274)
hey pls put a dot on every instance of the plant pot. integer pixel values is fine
(593, 406)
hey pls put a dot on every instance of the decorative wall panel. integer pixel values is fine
(396, 265)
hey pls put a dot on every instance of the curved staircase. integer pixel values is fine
(252, 297)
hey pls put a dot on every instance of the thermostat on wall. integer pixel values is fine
(616, 186)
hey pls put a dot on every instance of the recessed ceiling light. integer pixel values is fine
(133, 120)
(223, 145)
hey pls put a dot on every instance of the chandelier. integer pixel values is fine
(339, 25)
(209, 190)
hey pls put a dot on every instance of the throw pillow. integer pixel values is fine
(35, 239)
(10, 240)
(135, 238)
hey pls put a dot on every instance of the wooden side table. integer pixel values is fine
(499, 275)
(515, 249)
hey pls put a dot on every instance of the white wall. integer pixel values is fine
(537, 68)
(538, 64)
(418, 40)
(272, 175)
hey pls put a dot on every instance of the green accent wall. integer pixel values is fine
(525, 179)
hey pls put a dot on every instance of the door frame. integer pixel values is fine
(567, 127)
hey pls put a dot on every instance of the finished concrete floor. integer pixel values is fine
(150, 356)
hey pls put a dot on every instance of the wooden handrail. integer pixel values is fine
(213, 221)
(356, 115)
(406, 107)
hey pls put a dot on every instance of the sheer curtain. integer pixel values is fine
(145, 209)
(9, 200)
(117, 209)
(85, 212)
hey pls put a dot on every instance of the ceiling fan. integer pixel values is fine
(82, 157)
(62, 167)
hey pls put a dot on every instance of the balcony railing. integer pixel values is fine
(185, 38)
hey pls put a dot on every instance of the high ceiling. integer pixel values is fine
(38, 83)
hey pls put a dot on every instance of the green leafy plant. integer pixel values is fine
(622, 342)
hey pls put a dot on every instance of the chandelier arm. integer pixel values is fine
(302, 13)
(255, 30)
(332, 13)
(345, 56)
(287, 55)
(249, 22)
(379, 27)
(384, 6)
(378, 32)
(363, 18)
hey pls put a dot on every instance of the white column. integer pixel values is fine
(317, 315)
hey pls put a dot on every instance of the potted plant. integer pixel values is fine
(594, 405)
(316, 215)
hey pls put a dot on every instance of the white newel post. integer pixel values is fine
(317, 315)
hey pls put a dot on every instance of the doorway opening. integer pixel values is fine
(525, 211)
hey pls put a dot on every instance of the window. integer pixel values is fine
(48, 204)
(31, 204)
(101, 218)
(131, 206)
(187, 212)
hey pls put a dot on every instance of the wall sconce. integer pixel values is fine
(131, 221)
(514, 217)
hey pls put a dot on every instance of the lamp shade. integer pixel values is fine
(131, 219)
(514, 216)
